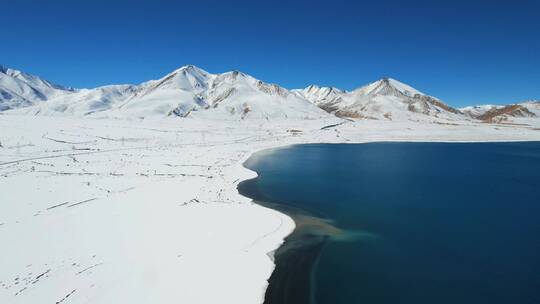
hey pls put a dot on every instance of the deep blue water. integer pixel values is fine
(434, 222)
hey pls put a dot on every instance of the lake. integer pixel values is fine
(404, 222)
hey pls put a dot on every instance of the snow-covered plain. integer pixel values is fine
(147, 211)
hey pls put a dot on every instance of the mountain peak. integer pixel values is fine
(234, 74)
(388, 86)
(316, 88)
(319, 95)
(192, 69)
(12, 72)
(18, 89)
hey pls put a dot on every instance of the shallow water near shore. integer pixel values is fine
(404, 222)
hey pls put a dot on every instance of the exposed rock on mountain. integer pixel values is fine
(504, 113)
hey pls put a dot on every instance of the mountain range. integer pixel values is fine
(192, 92)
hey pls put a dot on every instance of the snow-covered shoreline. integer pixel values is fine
(138, 211)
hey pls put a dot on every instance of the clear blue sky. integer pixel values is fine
(461, 52)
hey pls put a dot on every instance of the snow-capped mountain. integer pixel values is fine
(383, 99)
(18, 89)
(519, 112)
(84, 102)
(320, 96)
(186, 92)
(192, 92)
(477, 110)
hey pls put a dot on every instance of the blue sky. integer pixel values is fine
(461, 52)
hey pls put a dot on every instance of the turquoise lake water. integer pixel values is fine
(405, 222)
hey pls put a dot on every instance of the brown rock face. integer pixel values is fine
(496, 114)
(444, 106)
